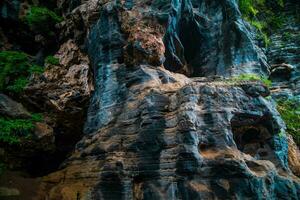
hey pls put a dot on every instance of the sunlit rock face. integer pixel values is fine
(161, 124)
(208, 38)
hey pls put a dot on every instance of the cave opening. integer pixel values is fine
(186, 46)
(253, 137)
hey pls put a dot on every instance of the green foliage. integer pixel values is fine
(260, 26)
(249, 8)
(18, 85)
(290, 113)
(253, 77)
(275, 21)
(35, 69)
(286, 36)
(11, 130)
(42, 19)
(263, 15)
(15, 68)
(36, 117)
(12, 64)
(52, 60)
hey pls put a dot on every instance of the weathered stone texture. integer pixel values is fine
(155, 134)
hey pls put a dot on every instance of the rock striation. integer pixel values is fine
(181, 139)
(161, 123)
(284, 56)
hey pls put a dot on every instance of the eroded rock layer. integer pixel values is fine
(179, 138)
(152, 133)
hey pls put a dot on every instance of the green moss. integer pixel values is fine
(52, 60)
(264, 15)
(12, 130)
(286, 36)
(42, 19)
(249, 7)
(15, 68)
(36, 117)
(290, 113)
(35, 69)
(18, 85)
(253, 77)
(12, 64)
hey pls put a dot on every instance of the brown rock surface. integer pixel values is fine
(294, 156)
(65, 87)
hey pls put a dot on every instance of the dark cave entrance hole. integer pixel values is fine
(252, 135)
(185, 46)
(43, 163)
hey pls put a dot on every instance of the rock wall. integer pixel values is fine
(284, 56)
(154, 133)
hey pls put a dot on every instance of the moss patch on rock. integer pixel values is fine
(15, 69)
(12, 130)
(264, 15)
(252, 77)
(42, 20)
(52, 60)
(290, 113)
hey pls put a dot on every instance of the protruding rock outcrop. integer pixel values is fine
(179, 138)
(155, 134)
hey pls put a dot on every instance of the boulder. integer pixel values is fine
(11, 108)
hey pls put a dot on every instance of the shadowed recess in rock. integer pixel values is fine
(200, 42)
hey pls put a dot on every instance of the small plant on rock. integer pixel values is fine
(42, 20)
(253, 77)
(35, 69)
(18, 85)
(263, 15)
(12, 130)
(52, 60)
(290, 113)
(15, 69)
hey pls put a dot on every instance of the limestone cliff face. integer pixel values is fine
(163, 121)
(155, 129)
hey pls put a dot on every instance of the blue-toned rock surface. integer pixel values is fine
(155, 129)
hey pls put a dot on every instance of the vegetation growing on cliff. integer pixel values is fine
(252, 77)
(15, 69)
(264, 15)
(42, 20)
(290, 113)
(12, 130)
(52, 60)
